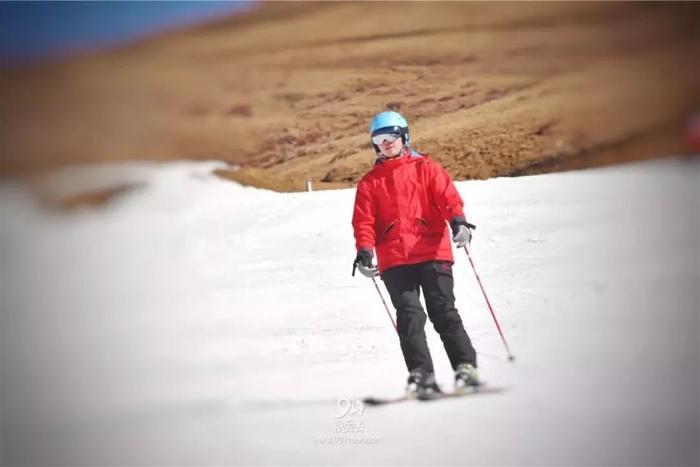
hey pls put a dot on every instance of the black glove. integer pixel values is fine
(461, 231)
(363, 261)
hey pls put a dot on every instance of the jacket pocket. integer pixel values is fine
(387, 232)
(429, 228)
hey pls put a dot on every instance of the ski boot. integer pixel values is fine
(422, 385)
(466, 376)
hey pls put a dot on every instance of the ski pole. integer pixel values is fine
(498, 326)
(385, 305)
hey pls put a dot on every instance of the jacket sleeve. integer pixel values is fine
(363, 217)
(445, 194)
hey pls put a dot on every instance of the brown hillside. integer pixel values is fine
(287, 91)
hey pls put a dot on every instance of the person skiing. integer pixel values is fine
(402, 208)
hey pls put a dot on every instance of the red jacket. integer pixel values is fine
(401, 209)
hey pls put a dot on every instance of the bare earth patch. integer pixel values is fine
(83, 198)
(286, 91)
(91, 198)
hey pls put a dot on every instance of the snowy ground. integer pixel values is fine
(194, 321)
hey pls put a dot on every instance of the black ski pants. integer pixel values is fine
(435, 278)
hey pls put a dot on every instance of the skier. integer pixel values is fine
(401, 208)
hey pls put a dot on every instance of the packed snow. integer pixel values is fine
(195, 321)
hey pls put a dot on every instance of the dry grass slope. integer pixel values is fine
(286, 91)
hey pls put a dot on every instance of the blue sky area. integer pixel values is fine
(33, 32)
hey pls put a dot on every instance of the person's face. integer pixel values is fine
(390, 146)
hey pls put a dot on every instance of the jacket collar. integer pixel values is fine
(407, 153)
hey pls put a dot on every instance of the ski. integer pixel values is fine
(374, 401)
(377, 401)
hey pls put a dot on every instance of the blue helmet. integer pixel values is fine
(389, 122)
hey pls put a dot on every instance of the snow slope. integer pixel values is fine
(194, 321)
